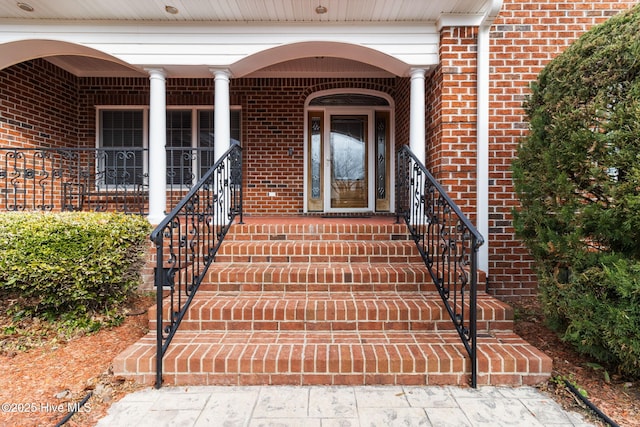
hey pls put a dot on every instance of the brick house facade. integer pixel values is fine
(44, 105)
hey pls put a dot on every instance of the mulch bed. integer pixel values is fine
(615, 396)
(54, 373)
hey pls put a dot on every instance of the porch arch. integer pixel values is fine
(288, 52)
(15, 52)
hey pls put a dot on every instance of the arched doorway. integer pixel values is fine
(348, 161)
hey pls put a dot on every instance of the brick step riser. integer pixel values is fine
(318, 233)
(328, 326)
(302, 366)
(311, 286)
(283, 275)
(215, 283)
(365, 315)
(317, 237)
(316, 251)
(223, 257)
(224, 322)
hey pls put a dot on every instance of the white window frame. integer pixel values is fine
(145, 138)
(195, 109)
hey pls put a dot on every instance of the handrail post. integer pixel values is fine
(473, 313)
(159, 283)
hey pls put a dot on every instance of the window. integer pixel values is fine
(121, 160)
(179, 152)
(190, 143)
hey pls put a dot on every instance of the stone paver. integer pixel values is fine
(361, 406)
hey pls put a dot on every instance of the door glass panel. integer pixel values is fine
(316, 157)
(381, 158)
(348, 147)
(382, 161)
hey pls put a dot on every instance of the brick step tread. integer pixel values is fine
(352, 230)
(305, 358)
(332, 311)
(341, 272)
(319, 251)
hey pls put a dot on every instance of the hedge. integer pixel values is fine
(70, 265)
(577, 175)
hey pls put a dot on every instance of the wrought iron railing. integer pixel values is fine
(187, 241)
(447, 241)
(185, 166)
(73, 179)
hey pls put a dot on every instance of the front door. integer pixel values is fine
(348, 167)
(347, 162)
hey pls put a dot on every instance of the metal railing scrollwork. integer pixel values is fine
(187, 241)
(447, 241)
(74, 179)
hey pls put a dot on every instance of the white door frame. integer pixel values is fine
(368, 111)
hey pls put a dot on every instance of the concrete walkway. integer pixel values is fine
(339, 406)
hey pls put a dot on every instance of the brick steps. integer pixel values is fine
(333, 358)
(383, 311)
(307, 301)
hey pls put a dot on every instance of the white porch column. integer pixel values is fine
(417, 111)
(221, 113)
(157, 144)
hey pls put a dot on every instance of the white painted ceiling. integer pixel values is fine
(241, 12)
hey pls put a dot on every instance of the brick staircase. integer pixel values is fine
(304, 301)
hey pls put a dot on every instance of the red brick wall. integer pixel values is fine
(402, 113)
(525, 37)
(273, 123)
(38, 106)
(453, 146)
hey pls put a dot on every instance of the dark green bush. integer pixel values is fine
(577, 175)
(70, 266)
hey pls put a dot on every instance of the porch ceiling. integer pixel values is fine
(244, 10)
(205, 34)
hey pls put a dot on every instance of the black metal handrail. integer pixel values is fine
(447, 241)
(187, 241)
(74, 179)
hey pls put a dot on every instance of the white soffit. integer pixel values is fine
(243, 10)
(207, 34)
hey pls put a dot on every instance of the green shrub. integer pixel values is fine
(598, 311)
(577, 175)
(70, 266)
